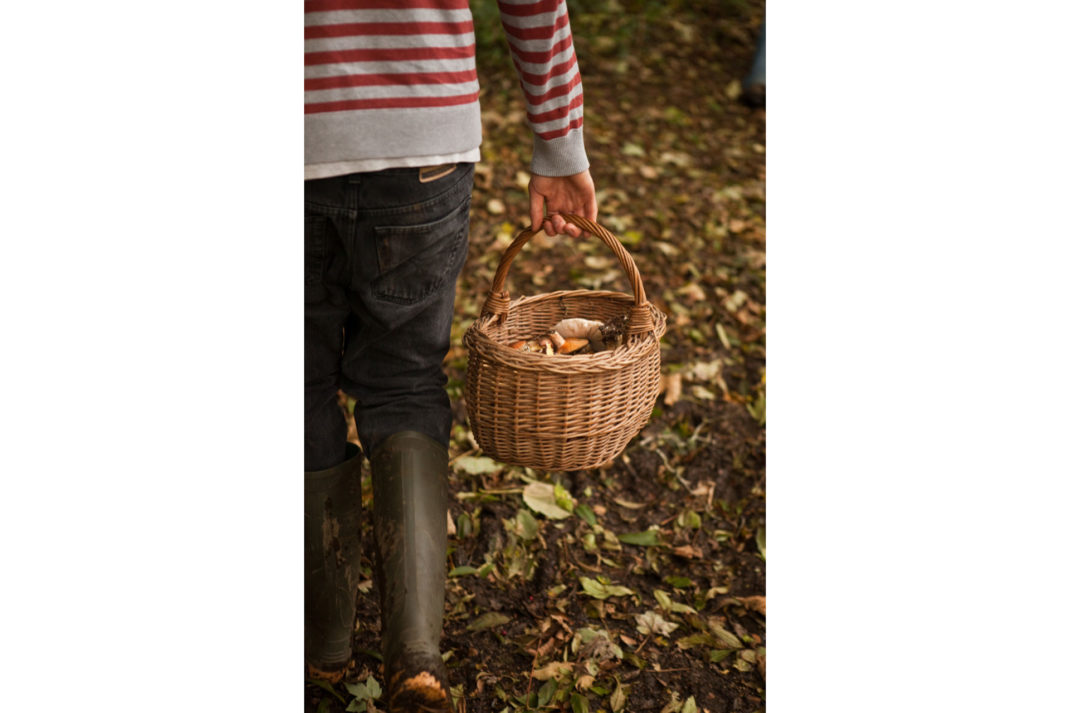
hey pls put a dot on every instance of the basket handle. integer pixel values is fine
(640, 320)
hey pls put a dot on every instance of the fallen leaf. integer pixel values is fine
(754, 603)
(527, 527)
(554, 669)
(477, 465)
(618, 699)
(599, 590)
(488, 621)
(674, 386)
(540, 498)
(650, 622)
(645, 538)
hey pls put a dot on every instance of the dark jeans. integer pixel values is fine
(383, 252)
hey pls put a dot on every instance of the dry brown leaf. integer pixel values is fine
(674, 385)
(687, 551)
(754, 603)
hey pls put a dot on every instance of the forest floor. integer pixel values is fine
(644, 588)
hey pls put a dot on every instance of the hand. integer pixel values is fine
(562, 194)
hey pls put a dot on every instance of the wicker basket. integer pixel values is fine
(561, 412)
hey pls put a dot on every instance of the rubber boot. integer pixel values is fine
(332, 565)
(409, 481)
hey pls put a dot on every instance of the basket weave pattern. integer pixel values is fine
(561, 412)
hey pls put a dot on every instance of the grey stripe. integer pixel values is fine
(337, 17)
(397, 90)
(546, 19)
(537, 45)
(544, 67)
(389, 42)
(557, 124)
(422, 65)
(554, 81)
(555, 102)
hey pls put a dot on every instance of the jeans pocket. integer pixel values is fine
(416, 260)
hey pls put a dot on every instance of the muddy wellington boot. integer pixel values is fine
(409, 484)
(332, 565)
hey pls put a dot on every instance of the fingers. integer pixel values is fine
(560, 225)
(551, 196)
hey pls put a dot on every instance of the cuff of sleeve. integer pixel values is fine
(563, 156)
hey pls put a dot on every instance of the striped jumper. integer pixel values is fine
(392, 83)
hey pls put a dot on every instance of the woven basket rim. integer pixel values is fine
(635, 348)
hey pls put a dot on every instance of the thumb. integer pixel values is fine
(536, 208)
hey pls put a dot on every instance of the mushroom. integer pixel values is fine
(573, 345)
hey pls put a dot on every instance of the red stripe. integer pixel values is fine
(328, 5)
(559, 113)
(390, 103)
(558, 133)
(385, 80)
(554, 92)
(541, 56)
(544, 32)
(527, 10)
(556, 71)
(389, 55)
(360, 29)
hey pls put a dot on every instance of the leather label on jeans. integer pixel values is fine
(433, 173)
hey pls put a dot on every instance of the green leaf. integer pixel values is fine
(600, 590)
(586, 514)
(547, 691)
(488, 620)
(646, 538)
(357, 705)
(718, 655)
(759, 538)
(618, 699)
(689, 519)
(563, 498)
(678, 582)
(699, 639)
(373, 687)
(477, 465)
(527, 527)
(580, 704)
(725, 638)
(327, 687)
(462, 570)
(689, 706)
(540, 498)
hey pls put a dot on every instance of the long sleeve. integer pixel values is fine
(540, 41)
